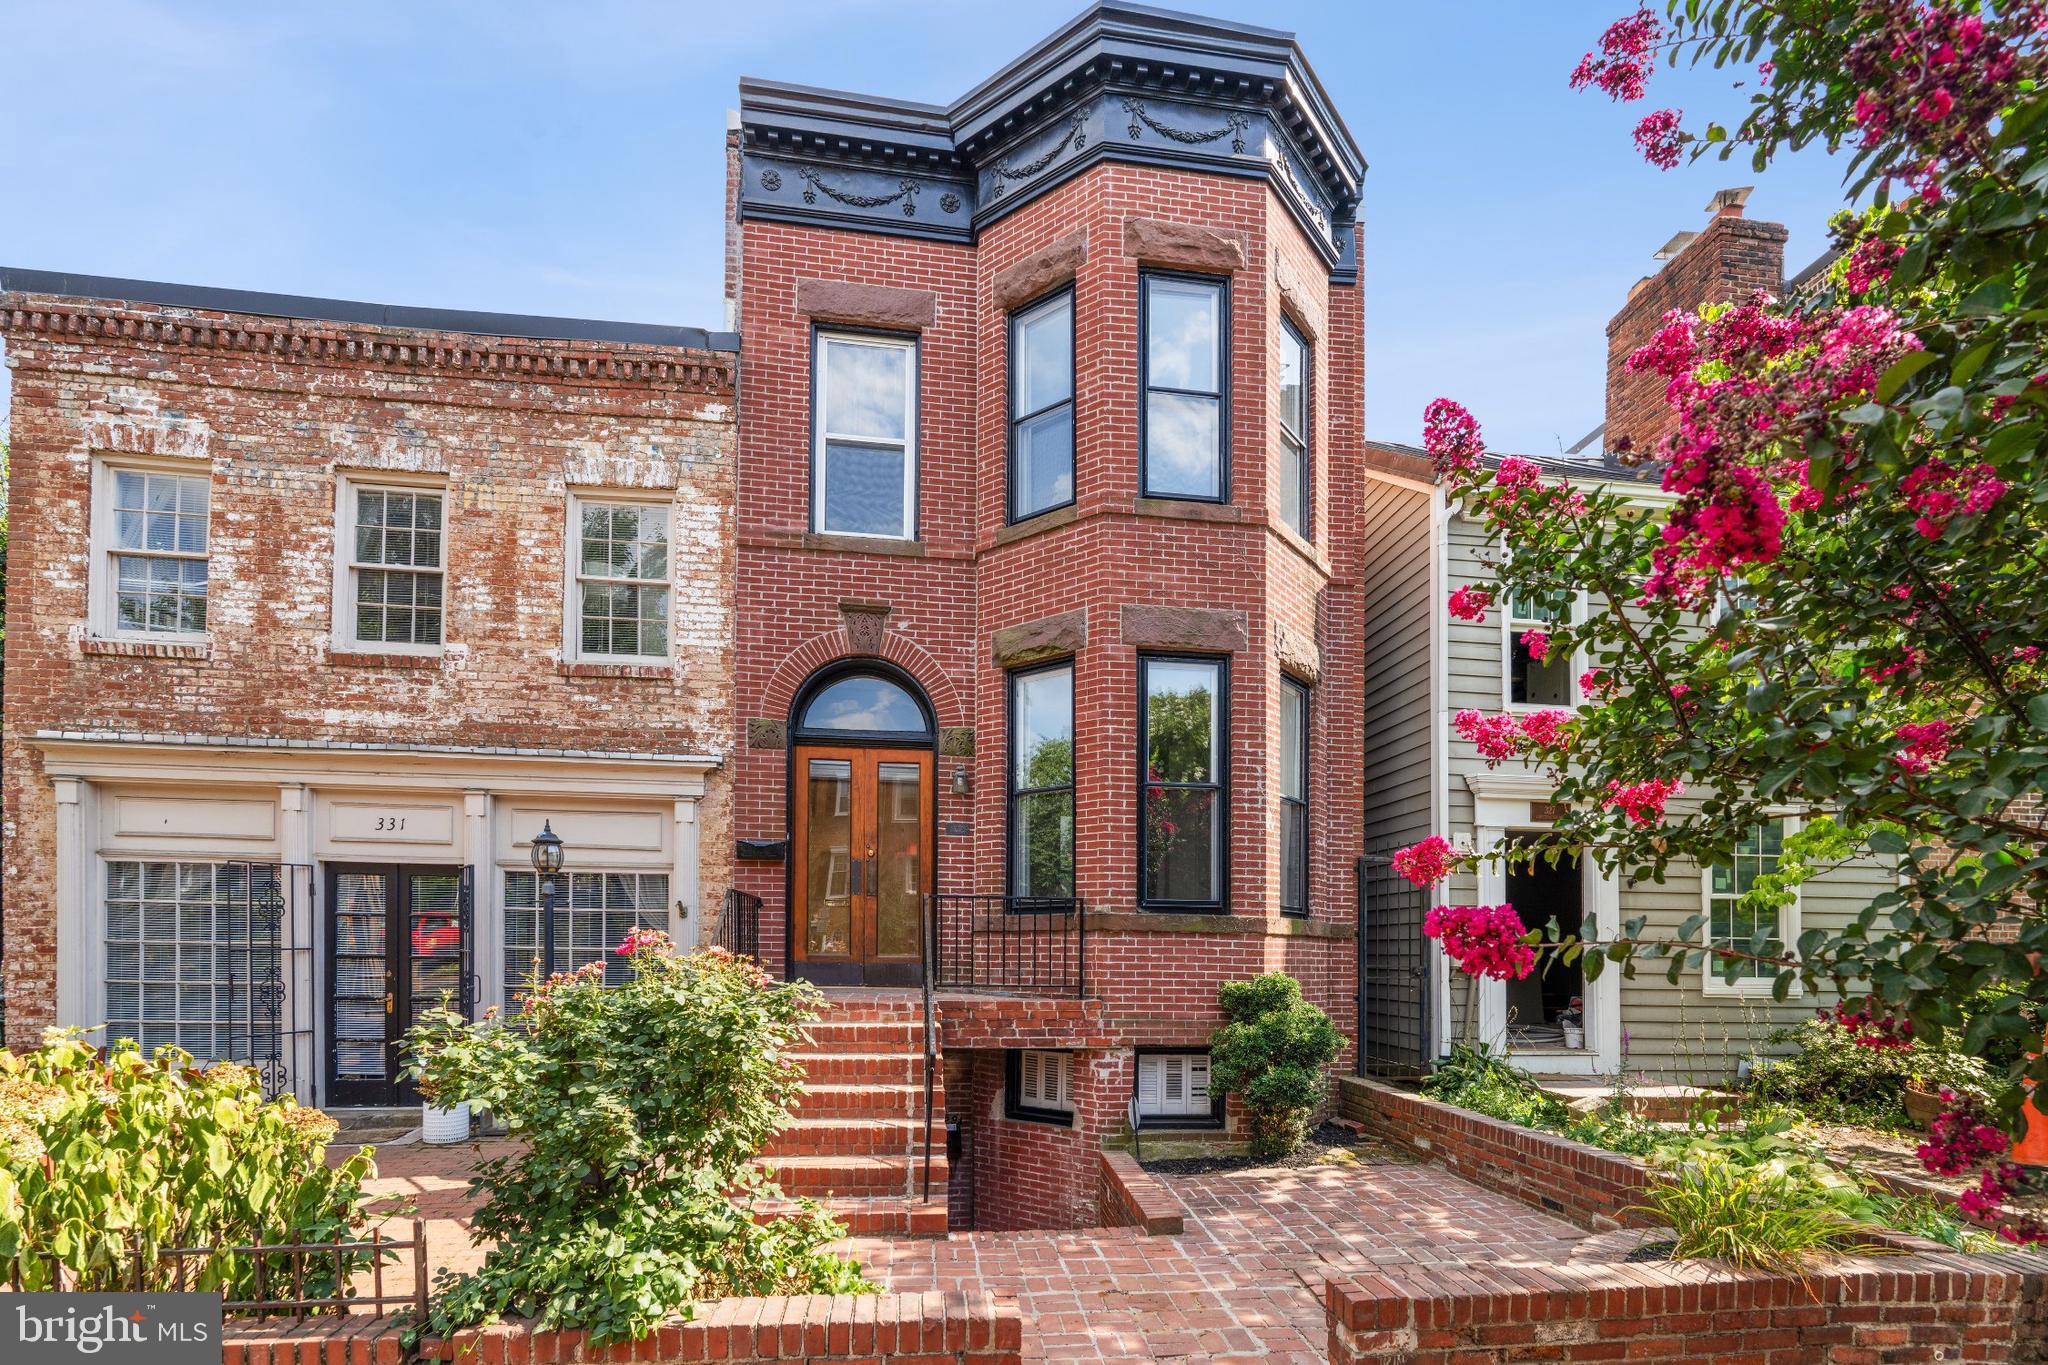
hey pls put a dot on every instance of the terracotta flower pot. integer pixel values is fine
(1923, 1106)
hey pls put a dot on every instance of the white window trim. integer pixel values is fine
(821, 407)
(346, 485)
(1711, 981)
(1511, 626)
(572, 576)
(102, 582)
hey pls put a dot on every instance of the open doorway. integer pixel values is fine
(1546, 1009)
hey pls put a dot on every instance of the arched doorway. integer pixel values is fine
(861, 826)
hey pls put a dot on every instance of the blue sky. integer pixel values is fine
(557, 158)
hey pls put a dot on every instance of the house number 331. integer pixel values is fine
(390, 822)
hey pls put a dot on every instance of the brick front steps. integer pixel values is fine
(916, 1329)
(858, 1142)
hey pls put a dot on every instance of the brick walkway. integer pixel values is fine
(1243, 1283)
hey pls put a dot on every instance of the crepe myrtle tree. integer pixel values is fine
(1839, 610)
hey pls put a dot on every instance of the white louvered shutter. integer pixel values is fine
(1173, 1085)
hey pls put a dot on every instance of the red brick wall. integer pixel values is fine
(1918, 1308)
(1731, 259)
(272, 408)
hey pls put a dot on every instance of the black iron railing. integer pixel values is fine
(1024, 944)
(739, 924)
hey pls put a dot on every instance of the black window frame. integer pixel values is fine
(1219, 772)
(814, 514)
(1072, 403)
(1013, 1085)
(1011, 791)
(1294, 691)
(1304, 438)
(1180, 1122)
(1221, 283)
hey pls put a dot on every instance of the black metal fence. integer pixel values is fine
(264, 1280)
(739, 924)
(1393, 971)
(1026, 945)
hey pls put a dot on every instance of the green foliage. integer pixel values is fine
(1757, 1217)
(638, 1109)
(107, 1161)
(1473, 1078)
(1830, 1078)
(1797, 682)
(1274, 1053)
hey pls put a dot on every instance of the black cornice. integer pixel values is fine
(1120, 81)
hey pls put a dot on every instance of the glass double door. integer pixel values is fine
(862, 864)
(397, 945)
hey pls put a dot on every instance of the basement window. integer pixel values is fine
(1040, 1085)
(1174, 1091)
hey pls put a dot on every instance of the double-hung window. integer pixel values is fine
(864, 434)
(1180, 782)
(1042, 782)
(1042, 406)
(1296, 475)
(619, 602)
(393, 543)
(1293, 797)
(1535, 680)
(1184, 420)
(1732, 925)
(594, 911)
(152, 553)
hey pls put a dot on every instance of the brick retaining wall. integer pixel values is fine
(1134, 1198)
(914, 1329)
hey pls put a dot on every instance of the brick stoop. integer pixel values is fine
(858, 1142)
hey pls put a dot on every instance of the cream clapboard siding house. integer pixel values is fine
(1423, 667)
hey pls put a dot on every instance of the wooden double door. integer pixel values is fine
(861, 864)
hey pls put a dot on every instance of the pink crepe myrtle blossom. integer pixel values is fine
(1545, 728)
(1643, 802)
(1659, 138)
(1537, 642)
(1497, 737)
(1484, 940)
(1451, 436)
(1516, 476)
(1937, 492)
(1469, 603)
(1870, 264)
(1426, 863)
(1621, 68)
(1927, 744)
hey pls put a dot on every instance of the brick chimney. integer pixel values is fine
(1731, 258)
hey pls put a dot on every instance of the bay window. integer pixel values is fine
(1184, 377)
(1042, 406)
(1180, 783)
(1042, 782)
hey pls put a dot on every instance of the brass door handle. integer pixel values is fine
(390, 1002)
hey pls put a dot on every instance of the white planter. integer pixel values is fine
(1574, 1036)
(444, 1127)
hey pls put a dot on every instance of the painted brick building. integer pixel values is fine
(989, 622)
(297, 663)
(1029, 384)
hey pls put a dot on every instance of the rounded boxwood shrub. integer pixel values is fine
(1274, 1052)
(106, 1160)
(637, 1108)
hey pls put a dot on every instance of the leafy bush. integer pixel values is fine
(639, 1108)
(1832, 1078)
(105, 1161)
(1760, 1217)
(1274, 1051)
(1473, 1078)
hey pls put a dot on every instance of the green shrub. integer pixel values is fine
(1274, 1052)
(107, 1160)
(1473, 1078)
(639, 1108)
(1831, 1078)
(1758, 1217)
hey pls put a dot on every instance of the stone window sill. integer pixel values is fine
(596, 669)
(1175, 922)
(365, 658)
(147, 649)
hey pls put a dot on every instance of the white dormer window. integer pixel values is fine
(1173, 1089)
(150, 542)
(1041, 1085)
